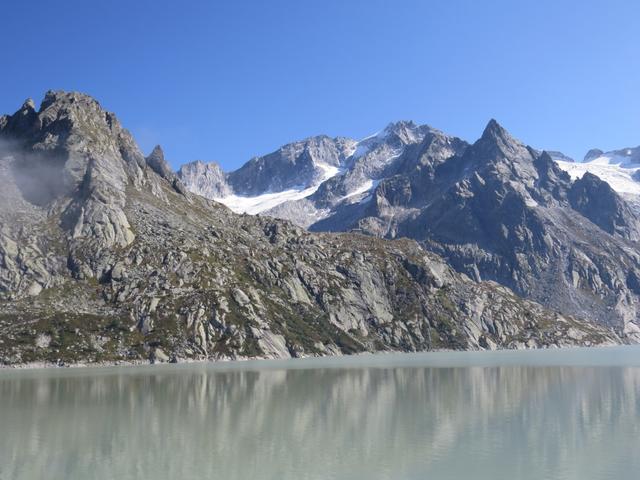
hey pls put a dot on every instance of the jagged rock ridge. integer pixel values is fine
(496, 210)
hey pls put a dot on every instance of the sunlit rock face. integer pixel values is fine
(206, 179)
(73, 155)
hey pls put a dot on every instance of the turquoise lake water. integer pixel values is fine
(557, 414)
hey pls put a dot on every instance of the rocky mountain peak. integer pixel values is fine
(74, 124)
(206, 179)
(618, 167)
(294, 165)
(495, 133)
(401, 125)
(546, 161)
(502, 153)
(157, 162)
(402, 132)
(28, 104)
(157, 150)
(22, 119)
(75, 155)
(77, 113)
(62, 98)
(551, 178)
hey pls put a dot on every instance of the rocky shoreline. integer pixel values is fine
(237, 361)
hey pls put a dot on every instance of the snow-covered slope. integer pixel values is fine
(619, 168)
(625, 157)
(620, 177)
(368, 157)
(266, 201)
(309, 180)
(292, 172)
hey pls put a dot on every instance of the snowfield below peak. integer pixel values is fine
(266, 201)
(620, 169)
(619, 176)
(366, 187)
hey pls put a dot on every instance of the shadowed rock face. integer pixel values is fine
(121, 264)
(597, 201)
(294, 165)
(502, 211)
(158, 164)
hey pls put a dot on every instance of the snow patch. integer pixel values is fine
(367, 186)
(266, 201)
(619, 177)
(625, 161)
(329, 171)
(367, 144)
(360, 150)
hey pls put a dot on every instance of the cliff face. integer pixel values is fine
(104, 256)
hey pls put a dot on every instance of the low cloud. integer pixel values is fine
(38, 176)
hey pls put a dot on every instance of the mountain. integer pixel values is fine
(294, 171)
(206, 179)
(495, 210)
(105, 256)
(296, 165)
(305, 181)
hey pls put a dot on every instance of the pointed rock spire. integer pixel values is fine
(157, 153)
(158, 164)
(24, 119)
(28, 104)
(494, 131)
(496, 140)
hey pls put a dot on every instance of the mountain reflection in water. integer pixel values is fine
(322, 423)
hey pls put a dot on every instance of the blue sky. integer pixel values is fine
(229, 80)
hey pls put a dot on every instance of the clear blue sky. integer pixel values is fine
(229, 80)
